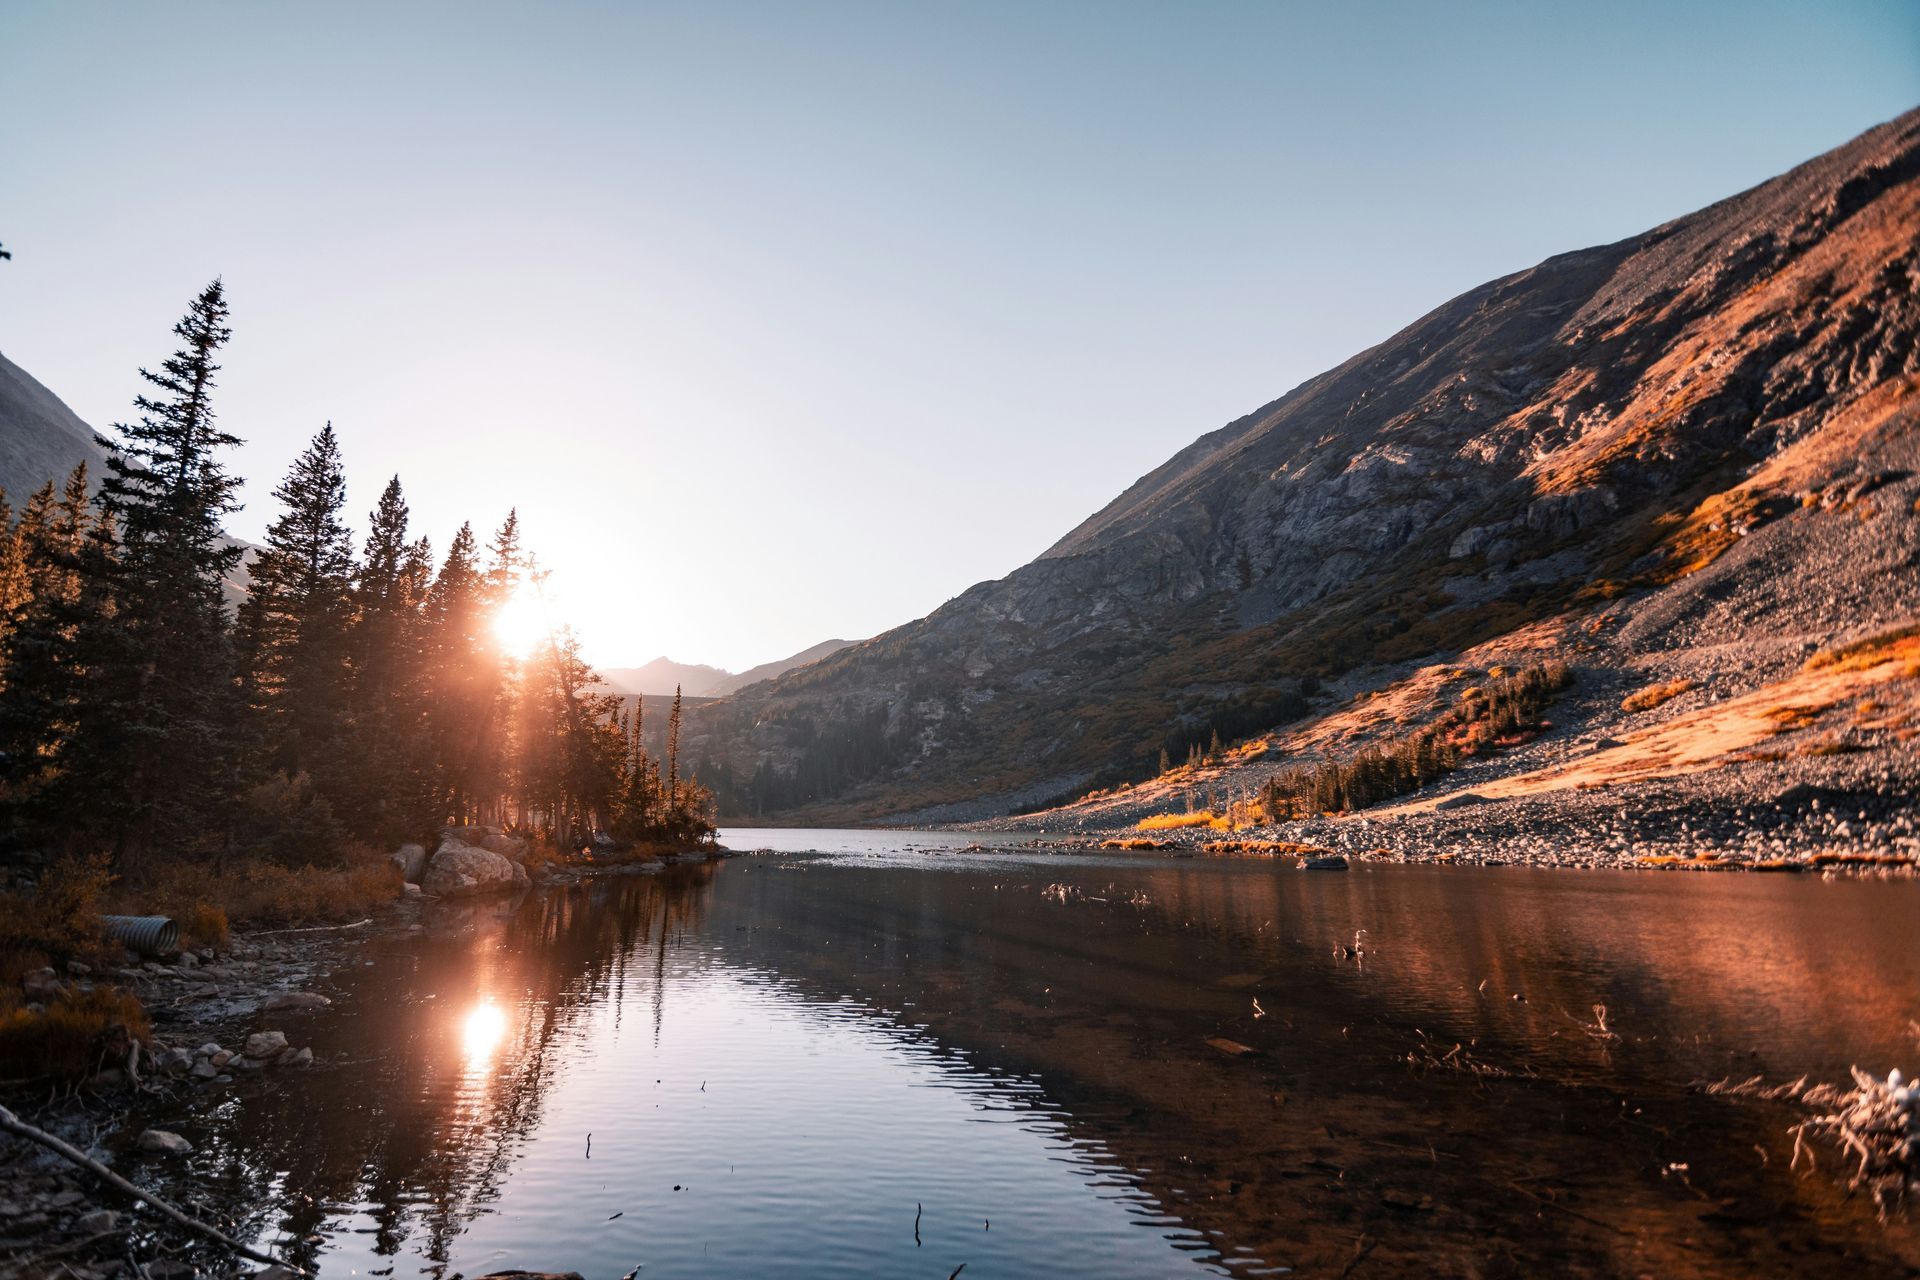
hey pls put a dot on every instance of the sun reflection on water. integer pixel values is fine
(481, 1032)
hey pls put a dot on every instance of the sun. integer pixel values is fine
(520, 624)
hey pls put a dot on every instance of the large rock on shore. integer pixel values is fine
(492, 839)
(412, 861)
(462, 870)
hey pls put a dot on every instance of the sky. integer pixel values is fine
(779, 322)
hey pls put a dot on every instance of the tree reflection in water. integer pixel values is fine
(417, 1117)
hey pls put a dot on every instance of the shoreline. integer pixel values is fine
(57, 1219)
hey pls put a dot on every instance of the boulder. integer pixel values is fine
(512, 848)
(461, 870)
(264, 1044)
(412, 861)
(165, 1143)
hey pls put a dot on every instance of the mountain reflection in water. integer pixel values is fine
(881, 1062)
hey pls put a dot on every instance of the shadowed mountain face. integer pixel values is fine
(40, 438)
(1577, 432)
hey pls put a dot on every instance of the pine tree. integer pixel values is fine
(463, 684)
(673, 750)
(296, 622)
(157, 725)
(60, 614)
(393, 787)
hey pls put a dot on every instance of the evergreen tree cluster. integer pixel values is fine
(351, 698)
(1484, 717)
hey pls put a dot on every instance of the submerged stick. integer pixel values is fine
(14, 1124)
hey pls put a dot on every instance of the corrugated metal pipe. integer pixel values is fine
(149, 935)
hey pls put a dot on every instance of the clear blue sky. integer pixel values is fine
(786, 321)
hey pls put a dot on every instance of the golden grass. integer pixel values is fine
(261, 895)
(1137, 844)
(1655, 694)
(1787, 719)
(1181, 821)
(1902, 644)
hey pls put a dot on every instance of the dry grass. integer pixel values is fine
(262, 895)
(1704, 534)
(74, 1036)
(1137, 844)
(1902, 644)
(1181, 821)
(1655, 695)
(1791, 717)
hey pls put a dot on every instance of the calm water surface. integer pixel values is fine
(880, 1054)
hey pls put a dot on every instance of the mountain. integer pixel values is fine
(662, 675)
(40, 438)
(768, 670)
(1568, 444)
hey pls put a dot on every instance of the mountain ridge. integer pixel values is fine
(1534, 438)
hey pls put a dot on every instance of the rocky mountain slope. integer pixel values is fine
(780, 666)
(1570, 442)
(40, 438)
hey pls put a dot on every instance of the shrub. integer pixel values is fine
(57, 919)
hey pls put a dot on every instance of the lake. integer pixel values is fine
(881, 1054)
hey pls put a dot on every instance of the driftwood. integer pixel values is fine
(66, 1151)
(318, 928)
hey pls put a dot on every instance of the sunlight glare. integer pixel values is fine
(520, 623)
(481, 1033)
